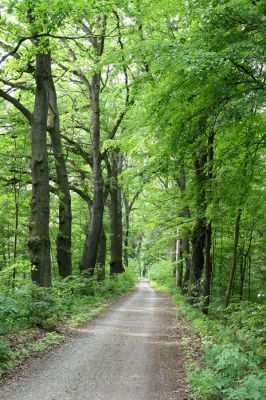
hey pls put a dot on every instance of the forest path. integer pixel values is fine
(130, 352)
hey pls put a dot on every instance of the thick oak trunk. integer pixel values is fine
(197, 259)
(116, 227)
(63, 241)
(182, 281)
(89, 257)
(39, 242)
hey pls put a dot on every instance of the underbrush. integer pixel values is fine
(232, 345)
(69, 303)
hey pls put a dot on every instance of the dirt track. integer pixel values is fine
(130, 352)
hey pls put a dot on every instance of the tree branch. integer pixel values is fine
(16, 104)
(77, 149)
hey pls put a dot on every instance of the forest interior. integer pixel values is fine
(133, 147)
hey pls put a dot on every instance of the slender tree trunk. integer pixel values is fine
(63, 241)
(208, 268)
(234, 259)
(128, 206)
(101, 256)
(242, 276)
(186, 274)
(126, 230)
(138, 252)
(16, 200)
(249, 278)
(179, 264)
(39, 241)
(116, 263)
(208, 233)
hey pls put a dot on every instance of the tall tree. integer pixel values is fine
(89, 257)
(39, 241)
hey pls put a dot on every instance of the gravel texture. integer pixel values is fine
(130, 352)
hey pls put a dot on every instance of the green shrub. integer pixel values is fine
(9, 312)
(5, 352)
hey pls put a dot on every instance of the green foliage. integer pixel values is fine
(9, 312)
(161, 274)
(49, 340)
(229, 373)
(72, 301)
(5, 352)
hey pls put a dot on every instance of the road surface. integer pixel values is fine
(130, 352)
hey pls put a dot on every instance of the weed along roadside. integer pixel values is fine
(225, 351)
(38, 319)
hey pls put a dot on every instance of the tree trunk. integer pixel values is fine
(198, 234)
(208, 268)
(208, 234)
(39, 242)
(187, 273)
(243, 265)
(63, 241)
(116, 263)
(90, 249)
(197, 259)
(89, 257)
(126, 233)
(185, 213)
(101, 256)
(234, 259)
(179, 264)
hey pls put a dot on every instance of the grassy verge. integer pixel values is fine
(231, 365)
(34, 319)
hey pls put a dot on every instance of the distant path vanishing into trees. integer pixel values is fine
(130, 352)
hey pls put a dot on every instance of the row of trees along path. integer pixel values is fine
(151, 112)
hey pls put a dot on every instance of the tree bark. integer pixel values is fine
(89, 257)
(39, 241)
(179, 264)
(197, 259)
(208, 267)
(185, 213)
(101, 256)
(198, 234)
(234, 259)
(63, 242)
(116, 228)
(126, 230)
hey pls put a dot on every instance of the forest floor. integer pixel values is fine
(132, 351)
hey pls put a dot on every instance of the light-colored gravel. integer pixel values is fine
(130, 352)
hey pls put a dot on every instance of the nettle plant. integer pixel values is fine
(230, 373)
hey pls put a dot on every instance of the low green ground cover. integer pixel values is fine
(33, 319)
(232, 341)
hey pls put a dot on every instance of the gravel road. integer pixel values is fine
(130, 352)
